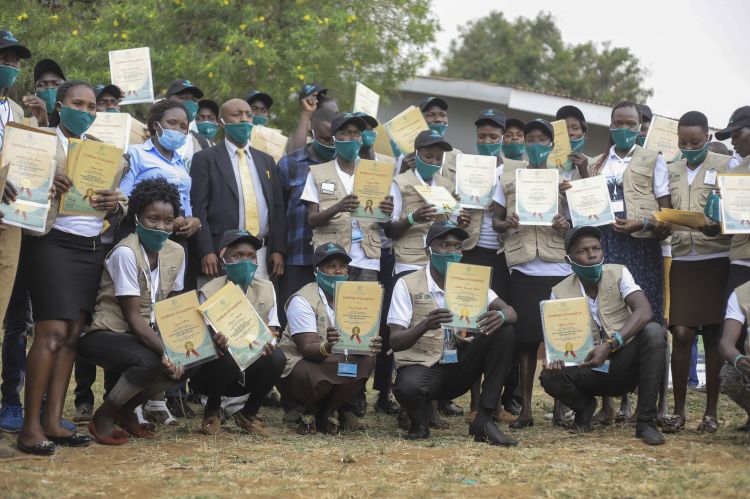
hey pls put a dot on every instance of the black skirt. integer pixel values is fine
(63, 272)
(500, 274)
(697, 289)
(526, 293)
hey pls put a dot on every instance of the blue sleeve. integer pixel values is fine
(284, 173)
(129, 179)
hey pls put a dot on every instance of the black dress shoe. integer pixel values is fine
(450, 409)
(519, 424)
(45, 448)
(387, 406)
(513, 408)
(489, 433)
(418, 432)
(75, 440)
(649, 434)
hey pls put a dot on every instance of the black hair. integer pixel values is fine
(322, 115)
(156, 113)
(149, 191)
(694, 118)
(603, 159)
(62, 91)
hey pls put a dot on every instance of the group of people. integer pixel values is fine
(198, 207)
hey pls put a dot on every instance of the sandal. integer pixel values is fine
(138, 430)
(158, 410)
(105, 439)
(306, 425)
(709, 425)
(675, 424)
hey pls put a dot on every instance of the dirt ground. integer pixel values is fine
(610, 462)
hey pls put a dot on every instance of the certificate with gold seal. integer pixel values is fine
(475, 180)
(439, 197)
(735, 203)
(92, 166)
(405, 127)
(372, 183)
(589, 202)
(466, 288)
(186, 338)
(358, 306)
(537, 195)
(230, 313)
(567, 330)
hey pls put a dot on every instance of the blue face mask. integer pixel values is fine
(695, 156)
(441, 260)
(624, 138)
(49, 96)
(577, 144)
(538, 153)
(590, 273)
(192, 109)
(171, 140)
(8, 76)
(368, 137)
(328, 282)
(440, 128)
(489, 149)
(239, 132)
(75, 121)
(151, 239)
(426, 170)
(514, 150)
(348, 150)
(260, 120)
(242, 272)
(208, 129)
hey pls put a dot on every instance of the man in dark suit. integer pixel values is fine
(237, 187)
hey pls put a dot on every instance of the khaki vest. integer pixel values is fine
(613, 311)
(693, 198)
(429, 347)
(740, 248)
(409, 248)
(108, 314)
(310, 294)
(524, 243)
(260, 293)
(638, 188)
(339, 228)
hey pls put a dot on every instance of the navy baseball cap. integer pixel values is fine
(646, 113)
(371, 122)
(179, 86)
(312, 88)
(431, 138)
(573, 112)
(582, 230)
(443, 227)
(258, 95)
(540, 124)
(112, 90)
(47, 66)
(235, 235)
(740, 119)
(8, 40)
(433, 101)
(493, 116)
(345, 118)
(327, 250)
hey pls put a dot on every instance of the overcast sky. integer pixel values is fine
(696, 51)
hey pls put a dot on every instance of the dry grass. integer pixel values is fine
(548, 462)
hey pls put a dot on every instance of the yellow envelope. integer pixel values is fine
(690, 219)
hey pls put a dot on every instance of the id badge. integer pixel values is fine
(357, 235)
(710, 177)
(449, 357)
(327, 187)
(347, 370)
(618, 206)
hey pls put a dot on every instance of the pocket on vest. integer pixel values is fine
(556, 241)
(642, 184)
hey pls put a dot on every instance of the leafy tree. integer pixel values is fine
(531, 53)
(228, 47)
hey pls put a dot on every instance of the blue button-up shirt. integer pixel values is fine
(293, 170)
(147, 162)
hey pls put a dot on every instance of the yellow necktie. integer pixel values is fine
(248, 195)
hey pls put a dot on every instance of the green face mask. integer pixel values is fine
(590, 273)
(208, 129)
(695, 156)
(192, 109)
(239, 132)
(441, 260)
(577, 144)
(8, 76)
(111, 110)
(260, 120)
(49, 96)
(440, 128)
(426, 170)
(75, 121)
(328, 282)
(624, 138)
(640, 140)
(324, 152)
(395, 149)
(368, 137)
(242, 272)
(151, 239)
(538, 153)
(514, 150)
(348, 150)
(489, 149)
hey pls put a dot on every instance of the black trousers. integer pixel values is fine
(384, 360)
(639, 364)
(221, 377)
(500, 274)
(488, 355)
(294, 278)
(85, 376)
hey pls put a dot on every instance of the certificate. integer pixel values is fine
(589, 203)
(138, 132)
(689, 219)
(475, 180)
(365, 100)
(662, 137)
(382, 144)
(28, 163)
(567, 330)
(536, 195)
(405, 127)
(372, 183)
(439, 197)
(187, 341)
(130, 70)
(268, 140)
(112, 128)
(559, 157)
(358, 306)
(466, 288)
(94, 166)
(735, 203)
(230, 313)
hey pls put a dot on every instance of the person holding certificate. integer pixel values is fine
(577, 130)
(416, 315)
(48, 76)
(697, 257)
(513, 144)
(142, 269)
(221, 377)
(630, 348)
(735, 375)
(535, 256)
(314, 377)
